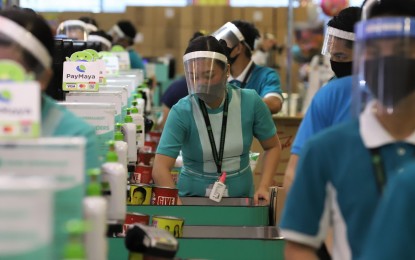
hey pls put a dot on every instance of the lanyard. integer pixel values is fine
(217, 157)
(248, 73)
(378, 166)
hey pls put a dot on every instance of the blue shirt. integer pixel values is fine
(264, 80)
(330, 106)
(176, 91)
(392, 234)
(335, 183)
(58, 121)
(185, 130)
(136, 62)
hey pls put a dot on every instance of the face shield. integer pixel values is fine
(106, 44)
(206, 74)
(116, 33)
(73, 29)
(385, 63)
(19, 45)
(338, 46)
(229, 33)
(90, 28)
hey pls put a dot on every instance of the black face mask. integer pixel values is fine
(230, 59)
(341, 69)
(396, 73)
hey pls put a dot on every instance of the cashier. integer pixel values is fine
(26, 38)
(214, 127)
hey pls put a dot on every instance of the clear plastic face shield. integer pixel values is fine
(105, 43)
(231, 34)
(206, 74)
(338, 45)
(116, 33)
(19, 45)
(73, 29)
(90, 28)
(385, 64)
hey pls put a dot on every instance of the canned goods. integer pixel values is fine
(175, 174)
(142, 174)
(164, 196)
(172, 224)
(132, 218)
(155, 136)
(149, 146)
(146, 158)
(139, 194)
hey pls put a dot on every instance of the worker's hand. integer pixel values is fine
(179, 202)
(261, 194)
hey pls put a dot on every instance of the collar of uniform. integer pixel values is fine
(241, 76)
(373, 133)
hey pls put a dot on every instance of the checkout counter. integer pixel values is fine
(233, 228)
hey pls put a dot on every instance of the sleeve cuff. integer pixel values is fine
(301, 238)
(278, 95)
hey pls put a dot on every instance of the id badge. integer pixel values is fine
(209, 190)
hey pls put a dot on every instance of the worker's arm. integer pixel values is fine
(296, 251)
(272, 153)
(273, 103)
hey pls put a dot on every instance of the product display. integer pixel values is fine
(95, 215)
(114, 182)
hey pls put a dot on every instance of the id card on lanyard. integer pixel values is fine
(217, 156)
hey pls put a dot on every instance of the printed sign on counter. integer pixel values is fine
(99, 97)
(62, 160)
(101, 116)
(26, 219)
(123, 60)
(112, 65)
(20, 105)
(80, 76)
(124, 94)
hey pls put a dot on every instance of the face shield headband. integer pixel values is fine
(73, 29)
(116, 31)
(205, 73)
(333, 33)
(26, 40)
(385, 60)
(97, 38)
(231, 34)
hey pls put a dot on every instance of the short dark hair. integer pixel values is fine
(250, 33)
(88, 19)
(140, 189)
(195, 35)
(393, 8)
(346, 19)
(127, 28)
(207, 43)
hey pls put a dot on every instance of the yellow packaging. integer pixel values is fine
(139, 194)
(172, 224)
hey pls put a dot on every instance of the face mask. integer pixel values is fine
(396, 79)
(214, 92)
(341, 69)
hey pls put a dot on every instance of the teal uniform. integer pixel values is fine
(185, 130)
(392, 233)
(136, 61)
(58, 121)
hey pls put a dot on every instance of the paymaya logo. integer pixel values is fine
(81, 68)
(5, 96)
